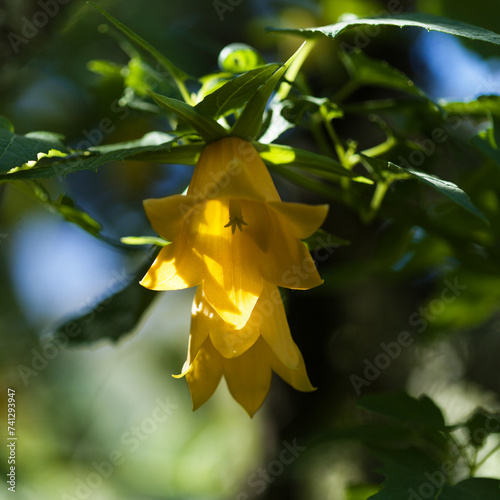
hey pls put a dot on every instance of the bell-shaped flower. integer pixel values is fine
(231, 233)
(245, 357)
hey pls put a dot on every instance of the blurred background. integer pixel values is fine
(107, 420)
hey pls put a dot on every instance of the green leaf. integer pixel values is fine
(178, 75)
(115, 315)
(322, 239)
(368, 71)
(480, 488)
(144, 240)
(208, 129)
(480, 425)
(277, 154)
(235, 93)
(96, 157)
(405, 472)
(390, 171)
(418, 19)
(239, 57)
(16, 150)
(71, 213)
(249, 123)
(483, 105)
(405, 408)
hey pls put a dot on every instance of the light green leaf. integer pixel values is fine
(418, 19)
(235, 93)
(144, 240)
(277, 154)
(208, 129)
(483, 105)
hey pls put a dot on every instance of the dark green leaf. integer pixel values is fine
(16, 150)
(475, 488)
(391, 171)
(208, 128)
(418, 19)
(409, 474)
(322, 239)
(100, 155)
(480, 425)
(235, 93)
(405, 408)
(368, 71)
(115, 315)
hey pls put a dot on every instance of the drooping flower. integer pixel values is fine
(245, 357)
(232, 234)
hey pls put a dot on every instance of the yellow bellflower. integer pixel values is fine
(246, 357)
(231, 233)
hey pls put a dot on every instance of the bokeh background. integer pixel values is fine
(117, 403)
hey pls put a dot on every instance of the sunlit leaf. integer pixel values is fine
(417, 19)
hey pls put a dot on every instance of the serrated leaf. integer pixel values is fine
(235, 93)
(98, 156)
(480, 488)
(114, 316)
(449, 189)
(16, 150)
(417, 19)
(404, 408)
(208, 128)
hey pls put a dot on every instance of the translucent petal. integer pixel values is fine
(232, 281)
(202, 321)
(175, 268)
(274, 326)
(232, 167)
(301, 220)
(248, 376)
(297, 378)
(205, 374)
(167, 214)
(285, 260)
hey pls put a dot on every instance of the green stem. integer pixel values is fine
(475, 466)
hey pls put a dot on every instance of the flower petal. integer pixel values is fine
(205, 374)
(285, 260)
(167, 214)
(232, 167)
(297, 377)
(175, 268)
(274, 326)
(202, 321)
(248, 376)
(232, 281)
(302, 220)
